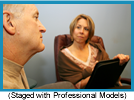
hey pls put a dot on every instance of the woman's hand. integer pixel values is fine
(84, 82)
(119, 82)
(123, 58)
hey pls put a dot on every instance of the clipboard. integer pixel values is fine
(105, 74)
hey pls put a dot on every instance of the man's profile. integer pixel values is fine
(22, 38)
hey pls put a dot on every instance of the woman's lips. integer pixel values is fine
(80, 37)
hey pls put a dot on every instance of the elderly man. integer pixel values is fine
(22, 38)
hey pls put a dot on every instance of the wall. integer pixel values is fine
(112, 22)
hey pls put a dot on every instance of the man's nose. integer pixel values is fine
(42, 28)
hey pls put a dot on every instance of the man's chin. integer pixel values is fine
(41, 48)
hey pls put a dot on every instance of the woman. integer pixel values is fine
(76, 61)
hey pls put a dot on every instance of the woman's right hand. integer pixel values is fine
(84, 82)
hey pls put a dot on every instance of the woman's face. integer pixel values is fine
(81, 31)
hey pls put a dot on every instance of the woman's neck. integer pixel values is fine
(79, 46)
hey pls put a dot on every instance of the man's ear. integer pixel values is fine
(8, 23)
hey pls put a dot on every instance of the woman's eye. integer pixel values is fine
(78, 27)
(86, 29)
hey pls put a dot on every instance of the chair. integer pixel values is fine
(64, 40)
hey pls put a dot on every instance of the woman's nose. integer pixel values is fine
(81, 30)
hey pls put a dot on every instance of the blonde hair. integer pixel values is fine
(15, 9)
(90, 22)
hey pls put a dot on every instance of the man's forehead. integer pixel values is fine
(32, 8)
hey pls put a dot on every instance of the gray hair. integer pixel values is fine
(15, 9)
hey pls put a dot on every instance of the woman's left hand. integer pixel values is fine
(123, 58)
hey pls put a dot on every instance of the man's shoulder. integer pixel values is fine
(7, 84)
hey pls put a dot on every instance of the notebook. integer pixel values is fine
(105, 74)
